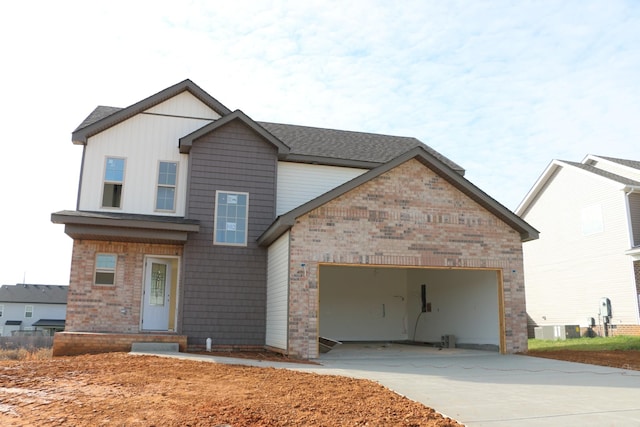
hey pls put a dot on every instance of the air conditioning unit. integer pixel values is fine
(557, 332)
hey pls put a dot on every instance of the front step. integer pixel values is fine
(152, 347)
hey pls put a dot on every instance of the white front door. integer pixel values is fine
(157, 297)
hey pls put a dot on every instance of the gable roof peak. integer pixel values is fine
(186, 141)
(422, 154)
(103, 118)
(588, 166)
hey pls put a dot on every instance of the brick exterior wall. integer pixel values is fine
(408, 216)
(74, 343)
(92, 308)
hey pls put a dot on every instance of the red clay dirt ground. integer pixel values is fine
(625, 359)
(128, 390)
(123, 389)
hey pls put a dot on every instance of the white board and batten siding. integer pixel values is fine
(278, 293)
(143, 141)
(299, 183)
(580, 255)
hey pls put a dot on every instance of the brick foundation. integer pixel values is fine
(74, 343)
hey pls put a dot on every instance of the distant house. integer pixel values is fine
(194, 221)
(588, 214)
(32, 309)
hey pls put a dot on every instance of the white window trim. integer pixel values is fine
(104, 181)
(104, 270)
(28, 311)
(1, 310)
(215, 220)
(175, 187)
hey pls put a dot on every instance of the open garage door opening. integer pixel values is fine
(460, 307)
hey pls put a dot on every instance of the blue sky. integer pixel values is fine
(500, 87)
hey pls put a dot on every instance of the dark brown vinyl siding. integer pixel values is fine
(634, 210)
(224, 287)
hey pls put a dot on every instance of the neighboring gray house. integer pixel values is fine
(194, 221)
(32, 309)
(588, 214)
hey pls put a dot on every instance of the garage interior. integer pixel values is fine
(386, 304)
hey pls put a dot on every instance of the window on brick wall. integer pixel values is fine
(105, 272)
(28, 311)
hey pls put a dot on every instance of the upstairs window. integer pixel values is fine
(1, 310)
(105, 269)
(113, 179)
(166, 192)
(28, 311)
(231, 217)
(592, 220)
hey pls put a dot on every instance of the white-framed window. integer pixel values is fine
(1, 310)
(592, 220)
(166, 190)
(113, 182)
(231, 218)
(105, 272)
(28, 311)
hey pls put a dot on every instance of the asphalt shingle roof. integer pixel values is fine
(603, 173)
(630, 163)
(98, 114)
(343, 144)
(44, 294)
(324, 145)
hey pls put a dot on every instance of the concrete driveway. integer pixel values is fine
(481, 388)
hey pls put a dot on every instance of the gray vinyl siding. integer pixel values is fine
(224, 292)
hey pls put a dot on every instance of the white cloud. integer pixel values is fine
(500, 87)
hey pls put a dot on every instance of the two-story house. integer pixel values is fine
(27, 309)
(196, 222)
(586, 263)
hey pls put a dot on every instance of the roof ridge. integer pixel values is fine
(337, 130)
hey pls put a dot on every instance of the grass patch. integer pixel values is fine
(25, 354)
(587, 344)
